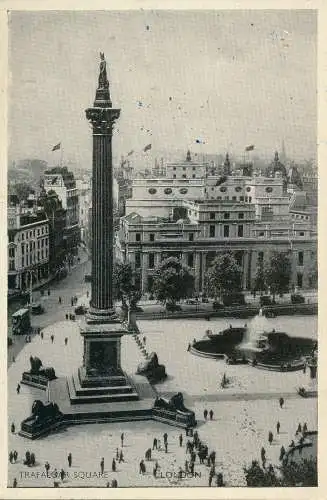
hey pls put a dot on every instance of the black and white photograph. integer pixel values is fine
(162, 265)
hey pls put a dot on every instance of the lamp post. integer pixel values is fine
(31, 273)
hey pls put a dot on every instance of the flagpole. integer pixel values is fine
(61, 154)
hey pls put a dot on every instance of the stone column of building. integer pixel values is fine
(245, 269)
(203, 269)
(254, 266)
(157, 259)
(197, 260)
(102, 117)
(145, 265)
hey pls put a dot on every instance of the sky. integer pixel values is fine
(227, 79)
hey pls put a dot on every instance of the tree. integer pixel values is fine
(124, 287)
(172, 281)
(260, 278)
(223, 276)
(278, 273)
(313, 273)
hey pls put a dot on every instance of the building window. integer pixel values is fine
(151, 236)
(174, 168)
(151, 260)
(226, 231)
(174, 176)
(261, 233)
(212, 231)
(240, 231)
(226, 215)
(234, 198)
(190, 260)
(38, 232)
(33, 232)
(42, 254)
(260, 256)
(23, 236)
(12, 265)
(23, 261)
(191, 237)
(300, 280)
(184, 168)
(138, 237)
(300, 258)
(301, 233)
(241, 215)
(193, 168)
(250, 199)
(23, 248)
(193, 176)
(137, 260)
(38, 243)
(184, 176)
(212, 215)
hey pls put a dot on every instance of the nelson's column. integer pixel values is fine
(101, 378)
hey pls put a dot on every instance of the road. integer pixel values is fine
(73, 284)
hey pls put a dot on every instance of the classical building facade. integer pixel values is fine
(60, 180)
(195, 218)
(28, 246)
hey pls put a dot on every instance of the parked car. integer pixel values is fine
(296, 298)
(234, 299)
(173, 307)
(265, 300)
(192, 302)
(37, 308)
(80, 310)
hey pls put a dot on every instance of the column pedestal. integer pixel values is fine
(101, 378)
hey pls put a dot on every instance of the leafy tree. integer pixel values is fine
(278, 273)
(256, 476)
(124, 287)
(260, 278)
(172, 281)
(223, 276)
(313, 273)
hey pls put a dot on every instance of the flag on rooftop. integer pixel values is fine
(249, 148)
(57, 146)
(149, 146)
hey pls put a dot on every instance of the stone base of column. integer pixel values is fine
(101, 378)
(99, 316)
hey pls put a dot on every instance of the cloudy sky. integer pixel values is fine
(226, 78)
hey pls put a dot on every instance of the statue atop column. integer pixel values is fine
(103, 79)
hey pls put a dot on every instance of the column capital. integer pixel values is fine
(102, 119)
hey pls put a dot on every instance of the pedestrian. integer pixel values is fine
(213, 458)
(52, 338)
(191, 468)
(70, 459)
(13, 359)
(42, 335)
(113, 465)
(49, 291)
(14, 484)
(87, 294)
(186, 466)
(121, 456)
(122, 439)
(117, 454)
(205, 414)
(281, 402)
(67, 316)
(270, 437)
(299, 429)
(181, 440)
(282, 453)
(142, 467)
(62, 474)
(263, 453)
(15, 455)
(305, 428)
(211, 475)
(155, 469)
(32, 459)
(166, 447)
(114, 483)
(165, 437)
(102, 465)
(144, 340)
(59, 299)
(66, 340)
(72, 301)
(278, 427)
(11, 457)
(108, 484)
(47, 467)
(211, 414)
(12, 428)
(155, 444)
(18, 388)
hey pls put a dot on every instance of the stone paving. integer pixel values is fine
(238, 430)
